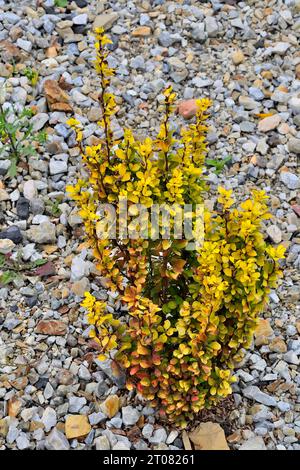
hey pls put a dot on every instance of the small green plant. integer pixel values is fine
(10, 269)
(218, 164)
(17, 137)
(32, 75)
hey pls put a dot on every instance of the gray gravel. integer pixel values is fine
(245, 57)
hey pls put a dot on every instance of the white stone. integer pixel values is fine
(30, 190)
(49, 418)
(80, 19)
(58, 166)
(130, 415)
(6, 246)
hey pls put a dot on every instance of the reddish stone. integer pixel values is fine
(51, 327)
(187, 109)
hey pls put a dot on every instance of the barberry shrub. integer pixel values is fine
(191, 307)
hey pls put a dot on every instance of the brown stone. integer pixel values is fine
(51, 52)
(298, 326)
(6, 70)
(10, 52)
(57, 99)
(34, 425)
(187, 109)
(238, 57)
(80, 287)
(267, 74)
(141, 31)
(263, 332)
(278, 345)
(51, 327)
(111, 406)
(20, 383)
(298, 71)
(234, 437)
(14, 406)
(65, 377)
(3, 427)
(77, 426)
(209, 436)
(63, 107)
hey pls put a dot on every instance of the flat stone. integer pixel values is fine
(43, 233)
(39, 120)
(290, 180)
(51, 328)
(57, 167)
(111, 406)
(25, 45)
(142, 31)
(253, 393)
(77, 426)
(105, 20)
(269, 123)
(209, 436)
(254, 443)
(80, 19)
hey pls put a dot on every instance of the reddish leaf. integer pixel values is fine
(47, 269)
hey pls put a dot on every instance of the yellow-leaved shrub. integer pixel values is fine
(190, 312)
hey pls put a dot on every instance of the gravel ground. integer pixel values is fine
(54, 394)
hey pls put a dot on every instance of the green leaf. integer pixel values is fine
(28, 151)
(13, 168)
(218, 164)
(7, 277)
(39, 262)
(61, 3)
(42, 137)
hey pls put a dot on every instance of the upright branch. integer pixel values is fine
(106, 99)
